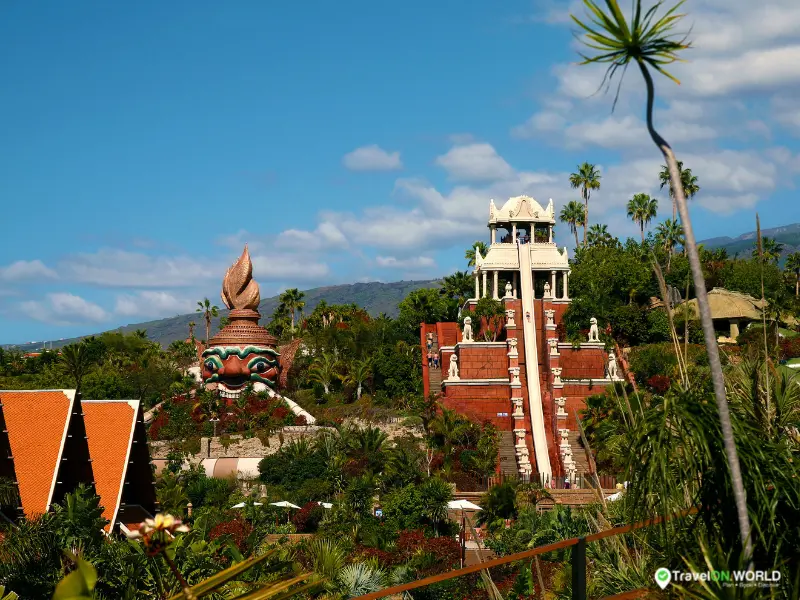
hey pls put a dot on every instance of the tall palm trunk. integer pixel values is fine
(674, 203)
(585, 212)
(208, 326)
(708, 325)
(641, 229)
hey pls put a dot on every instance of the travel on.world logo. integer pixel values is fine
(752, 578)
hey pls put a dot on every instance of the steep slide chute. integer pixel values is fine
(532, 363)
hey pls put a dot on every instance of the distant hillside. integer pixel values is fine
(376, 297)
(788, 235)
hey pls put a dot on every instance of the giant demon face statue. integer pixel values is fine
(243, 352)
(232, 368)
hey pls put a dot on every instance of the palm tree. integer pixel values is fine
(358, 373)
(292, 299)
(598, 236)
(586, 178)
(470, 253)
(793, 265)
(192, 325)
(642, 209)
(573, 214)
(770, 250)
(669, 234)
(450, 428)
(323, 371)
(688, 183)
(457, 286)
(208, 310)
(74, 361)
(652, 43)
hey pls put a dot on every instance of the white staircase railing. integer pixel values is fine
(532, 363)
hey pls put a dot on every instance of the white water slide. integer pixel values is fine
(532, 363)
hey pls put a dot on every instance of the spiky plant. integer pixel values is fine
(649, 41)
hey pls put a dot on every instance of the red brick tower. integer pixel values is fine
(528, 382)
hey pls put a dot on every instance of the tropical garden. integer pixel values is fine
(706, 436)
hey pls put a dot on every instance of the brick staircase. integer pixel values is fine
(435, 375)
(508, 456)
(578, 453)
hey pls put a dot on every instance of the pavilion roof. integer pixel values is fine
(727, 304)
(36, 422)
(110, 426)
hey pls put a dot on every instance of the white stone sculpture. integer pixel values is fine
(547, 290)
(517, 407)
(564, 437)
(612, 367)
(562, 403)
(510, 318)
(452, 373)
(512, 348)
(515, 376)
(520, 433)
(556, 375)
(553, 342)
(594, 332)
(467, 336)
(509, 292)
(550, 317)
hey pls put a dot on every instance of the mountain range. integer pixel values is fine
(375, 297)
(788, 235)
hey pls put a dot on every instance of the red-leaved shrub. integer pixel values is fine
(237, 531)
(307, 519)
(790, 347)
(659, 383)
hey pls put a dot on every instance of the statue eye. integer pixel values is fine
(211, 365)
(261, 367)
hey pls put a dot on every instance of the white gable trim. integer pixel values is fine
(70, 394)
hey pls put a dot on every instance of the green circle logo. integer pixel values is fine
(663, 577)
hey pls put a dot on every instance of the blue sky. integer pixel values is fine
(143, 143)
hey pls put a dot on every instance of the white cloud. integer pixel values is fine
(474, 162)
(786, 111)
(151, 303)
(372, 158)
(766, 69)
(27, 270)
(119, 268)
(64, 309)
(415, 262)
(326, 235)
(288, 268)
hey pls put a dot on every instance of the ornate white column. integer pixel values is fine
(493, 229)
(566, 278)
(550, 233)
(495, 284)
(477, 287)
(485, 287)
(513, 233)
(553, 284)
(515, 284)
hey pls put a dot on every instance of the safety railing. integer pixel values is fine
(578, 546)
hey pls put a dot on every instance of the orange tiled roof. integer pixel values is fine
(36, 423)
(109, 427)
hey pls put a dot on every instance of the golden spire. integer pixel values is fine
(239, 289)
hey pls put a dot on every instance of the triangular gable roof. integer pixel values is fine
(110, 426)
(37, 423)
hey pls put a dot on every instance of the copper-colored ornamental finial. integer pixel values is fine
(239, 289)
